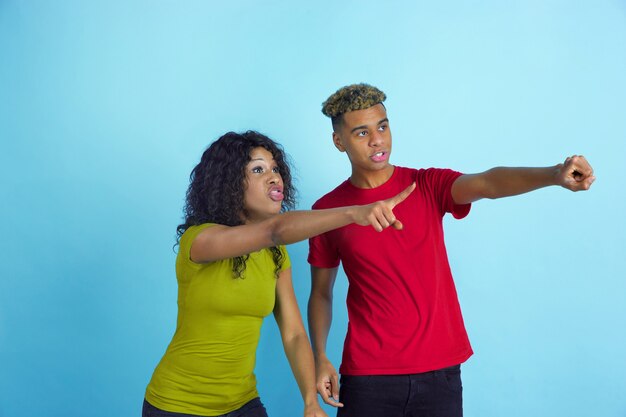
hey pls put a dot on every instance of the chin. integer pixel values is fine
(274, 211)
(380, 166)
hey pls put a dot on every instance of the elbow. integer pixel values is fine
(276, 237)
(490, 195)
(277, 231)
(319, 299)
(488, 187)
(295, 338)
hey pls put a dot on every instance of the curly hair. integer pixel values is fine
(349, 98)
(216, 187)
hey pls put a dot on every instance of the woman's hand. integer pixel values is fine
(380, 214)
(314, 410)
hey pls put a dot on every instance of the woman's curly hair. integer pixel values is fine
(216, 188)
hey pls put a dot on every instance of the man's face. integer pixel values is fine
(365, 136)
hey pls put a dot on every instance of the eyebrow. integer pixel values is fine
(261, 159)
(365, 126)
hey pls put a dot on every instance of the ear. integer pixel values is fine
(337, 142)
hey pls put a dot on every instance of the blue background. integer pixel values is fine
(106, 106)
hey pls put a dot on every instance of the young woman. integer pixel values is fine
(233, 270)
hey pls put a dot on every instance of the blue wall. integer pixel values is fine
(106, 106)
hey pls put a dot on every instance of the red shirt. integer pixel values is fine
(403, 311)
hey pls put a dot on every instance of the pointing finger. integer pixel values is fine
(402, 196)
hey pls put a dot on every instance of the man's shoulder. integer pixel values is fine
(420, 171)
(428, 173)
(332, 198)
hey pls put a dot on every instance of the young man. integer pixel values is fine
(406, 338)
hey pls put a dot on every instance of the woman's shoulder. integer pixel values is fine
(189, 235)
(197, 228)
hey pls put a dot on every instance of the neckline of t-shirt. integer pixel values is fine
(381, 187)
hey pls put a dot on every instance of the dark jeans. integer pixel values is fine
(429, 394)
(253, 408)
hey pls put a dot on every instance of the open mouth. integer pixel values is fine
(276, 194)
(379, 156)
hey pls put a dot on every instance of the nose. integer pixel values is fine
(274, 178)
(376, 138)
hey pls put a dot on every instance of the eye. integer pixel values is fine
(276, 170)
(362, 133)
(382, 128)
(257, 170)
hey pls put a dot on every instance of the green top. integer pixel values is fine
(208, 368)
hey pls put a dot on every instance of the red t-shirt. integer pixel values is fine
(404, 314)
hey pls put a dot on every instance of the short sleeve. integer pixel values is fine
(187, 239)
(286, 259)
(322, 253)
(440, 183)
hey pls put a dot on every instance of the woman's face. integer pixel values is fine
(263, 186)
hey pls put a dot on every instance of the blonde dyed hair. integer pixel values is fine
(352, 97)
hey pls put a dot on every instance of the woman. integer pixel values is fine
(233, 270)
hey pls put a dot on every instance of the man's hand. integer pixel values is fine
(328, 382)
(575, 173)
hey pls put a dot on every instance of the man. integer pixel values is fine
(406, 338)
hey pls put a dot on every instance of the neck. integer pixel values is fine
(371, 179)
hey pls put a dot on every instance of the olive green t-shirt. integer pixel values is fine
(208, 368)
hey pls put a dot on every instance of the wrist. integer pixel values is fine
(310, 400)
(351, 214)
(556, 174)
(319, 356)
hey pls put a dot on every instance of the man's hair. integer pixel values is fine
(350, 98)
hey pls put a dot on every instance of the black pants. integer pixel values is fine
(429, 394)
(253, 408)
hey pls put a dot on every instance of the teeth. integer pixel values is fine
(378, 154)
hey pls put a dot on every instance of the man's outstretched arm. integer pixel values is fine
(575, 174)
